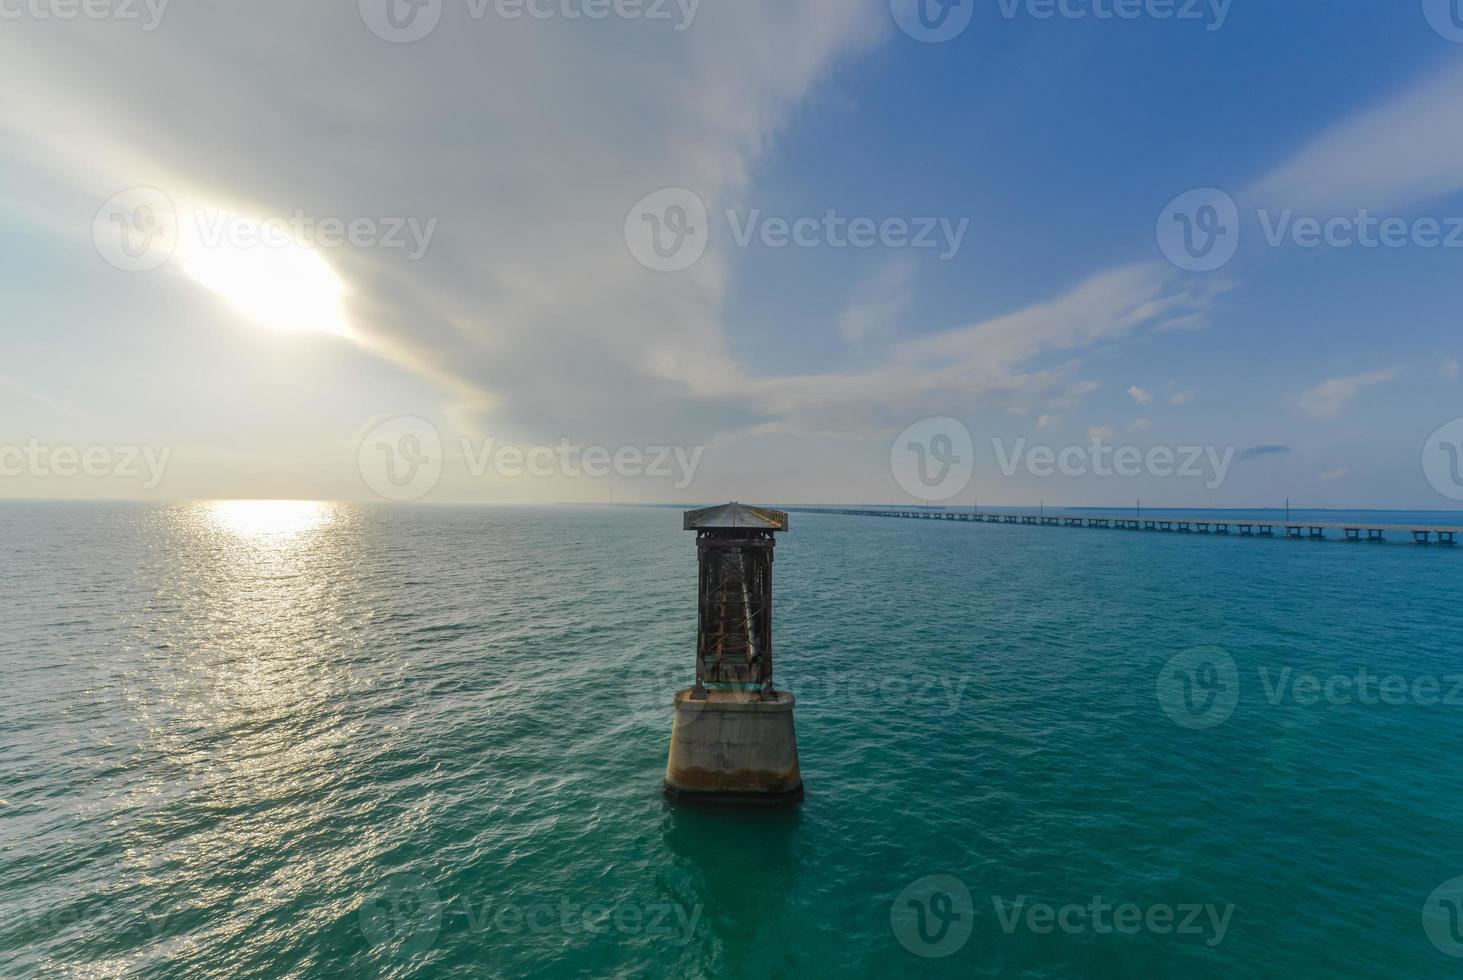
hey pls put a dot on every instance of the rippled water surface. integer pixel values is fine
(324, 740)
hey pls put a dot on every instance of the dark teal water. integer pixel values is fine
(318, 740)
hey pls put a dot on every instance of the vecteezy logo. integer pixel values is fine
(1200, 231)
(401, 459)
(1442, 918)
(1446, 17)
(1199, 688)
(137, 230)
(932, 21)
(401, 21)
(1442, 460)
(933, 917)
(404, 916)
(668, 231)
(933, 460)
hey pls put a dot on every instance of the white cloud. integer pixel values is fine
(1406, 149)
(1329, 399)
(1449, 367)
(1005, 358)
(1140, 424)
(1182, 398)
(40, 398)
(1100, 433)
(1332, 475)
(1074, 394)
(1189, 322)
(529, 317)
(1107, 306)
(880, 304)
(528, 280)
(1139, 395)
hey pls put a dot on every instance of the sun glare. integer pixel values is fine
(276, 282)
(265, 519)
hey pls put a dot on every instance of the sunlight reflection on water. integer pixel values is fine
(264, 519)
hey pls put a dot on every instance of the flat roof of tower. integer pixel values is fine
(734, 515)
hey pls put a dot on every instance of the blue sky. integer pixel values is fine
(1056, 143)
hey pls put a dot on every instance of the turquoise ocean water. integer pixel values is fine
(323, 740)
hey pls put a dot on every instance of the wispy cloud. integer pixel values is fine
(1406, 149)
(1449, 367)
(880, 304)
(1100, 433)
(1182, 398)
(1140, 396)
(1256, 452)
(40, 398)
(1008, 357)
(1107, 306)
(1329, 399)
(1330, 476)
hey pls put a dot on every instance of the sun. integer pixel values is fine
(274, 280)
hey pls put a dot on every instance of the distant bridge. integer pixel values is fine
(1296, 530)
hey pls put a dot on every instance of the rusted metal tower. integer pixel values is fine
(734, 740)
(734, 548)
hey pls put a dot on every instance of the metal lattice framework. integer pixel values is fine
(734, 547)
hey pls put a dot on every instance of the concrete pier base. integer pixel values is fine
(734, 748)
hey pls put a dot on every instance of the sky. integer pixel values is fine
(1196, 252)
